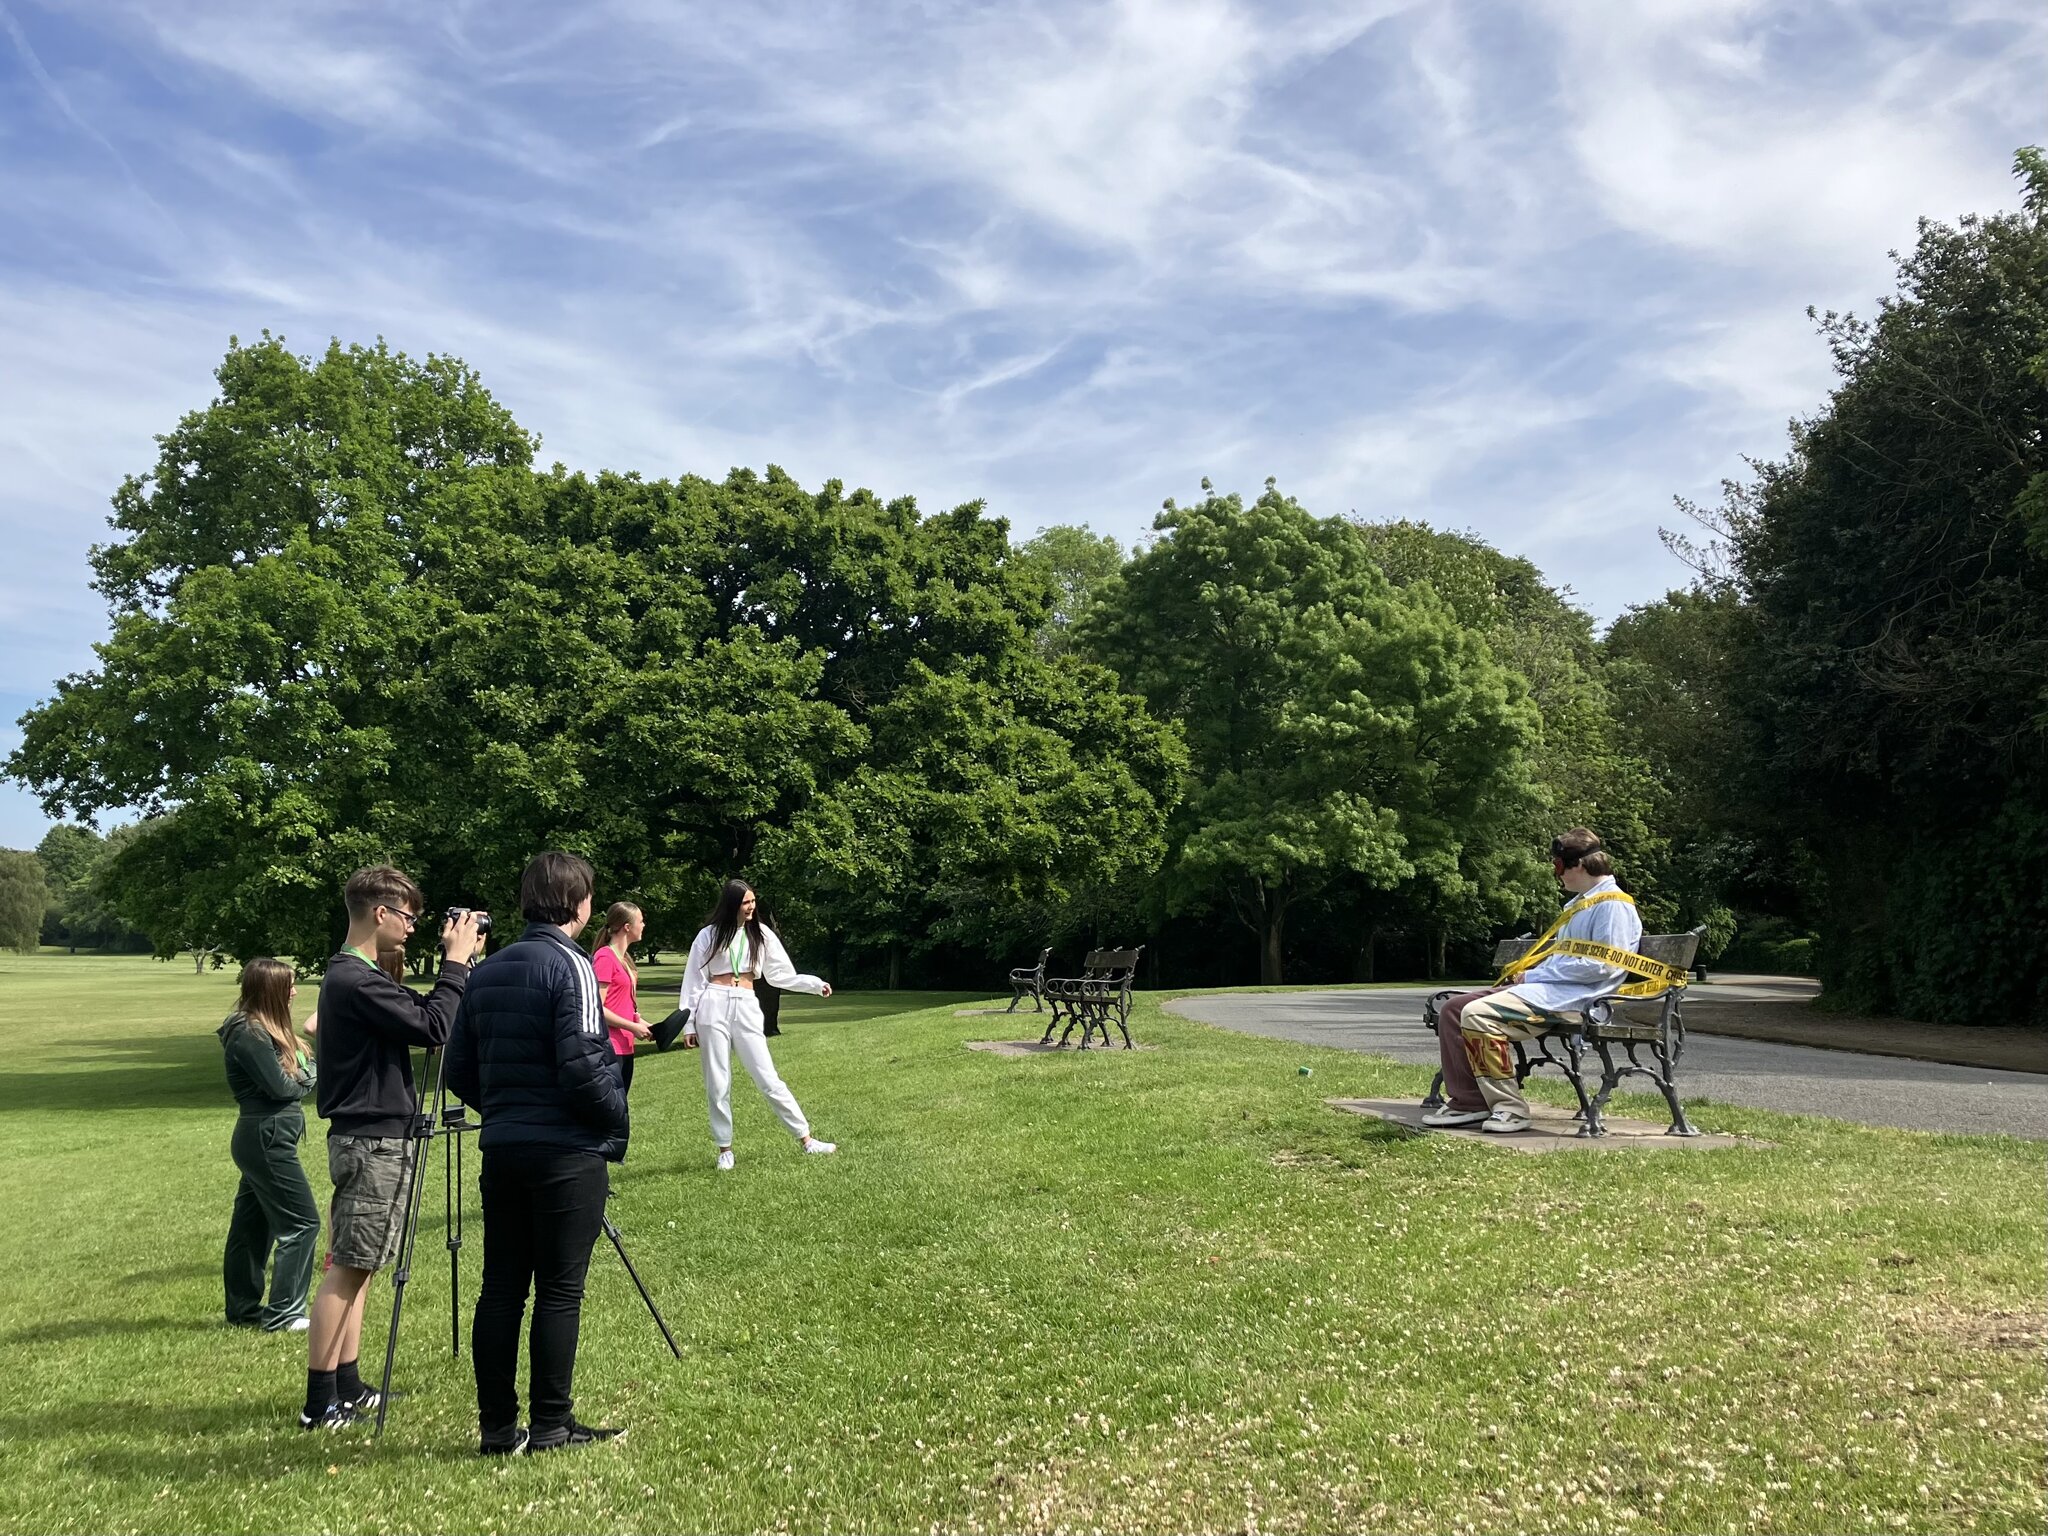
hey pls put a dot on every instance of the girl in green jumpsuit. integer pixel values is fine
(269, 1072)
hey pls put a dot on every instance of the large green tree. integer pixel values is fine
(1582, 769)
(23, 896)
(1076, 563)
(1336, 728)
(78, 915)
(273, 608)
(1896, 666)
(350, 622)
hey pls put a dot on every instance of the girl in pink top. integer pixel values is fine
(616, 973)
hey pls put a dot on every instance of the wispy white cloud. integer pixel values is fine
(1529, 268)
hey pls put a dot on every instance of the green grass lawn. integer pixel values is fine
(1156, 1290)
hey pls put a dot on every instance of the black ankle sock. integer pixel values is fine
(319, 1392)
(348, 1386)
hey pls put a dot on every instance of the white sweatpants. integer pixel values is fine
(728, 1019)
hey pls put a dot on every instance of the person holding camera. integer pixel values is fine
(268, 1073)
(529, 1052)
(732, 951)
(369, 1025)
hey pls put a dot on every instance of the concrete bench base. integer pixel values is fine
(1554, 1131)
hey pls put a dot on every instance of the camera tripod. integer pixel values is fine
(449, 1123)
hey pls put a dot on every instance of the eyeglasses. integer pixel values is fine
(412, 919)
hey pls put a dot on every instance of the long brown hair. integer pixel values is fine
(617, 918)
(266, 1001)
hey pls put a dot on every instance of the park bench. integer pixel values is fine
(1654, 1024)
(1029, 981)
(1101, 992)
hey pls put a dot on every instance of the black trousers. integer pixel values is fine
(543, 1210)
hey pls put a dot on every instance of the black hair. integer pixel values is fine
(554, 885)
(724, 917)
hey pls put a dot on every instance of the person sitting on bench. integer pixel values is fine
(1476, 1031)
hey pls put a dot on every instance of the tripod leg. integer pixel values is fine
(415, 1197)
(612, 1232)
(451, 1173)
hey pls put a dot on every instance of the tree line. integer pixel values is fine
(351, 619)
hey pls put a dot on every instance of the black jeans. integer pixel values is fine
(543, 1210)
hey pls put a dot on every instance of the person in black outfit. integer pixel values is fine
(369, 1025)
(530, 1053)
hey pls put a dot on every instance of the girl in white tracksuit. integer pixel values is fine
(732, 951)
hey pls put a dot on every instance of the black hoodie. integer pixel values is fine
(368, 1027)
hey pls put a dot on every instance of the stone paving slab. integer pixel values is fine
(1033, 1048)
(1554, 1131)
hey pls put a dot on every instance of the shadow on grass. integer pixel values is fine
(109, 1327)
(251, 1440)
(170, 1274)
(169, 1072)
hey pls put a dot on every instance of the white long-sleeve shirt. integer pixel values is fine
(1565, 982)
(772, 965)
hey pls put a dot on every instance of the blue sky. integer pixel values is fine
(1530, 269)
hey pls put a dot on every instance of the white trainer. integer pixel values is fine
(822, 1148)
(1506, 1121)
(725, 1161)
(1447, 1117)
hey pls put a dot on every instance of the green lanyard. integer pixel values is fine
(736, 952)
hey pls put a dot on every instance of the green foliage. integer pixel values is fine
(1338, 731)
(1896, 671)
(1669, 670)
(77, 915)
(350, 623)
(1076, 564)
(23, 896)
(1584, 766)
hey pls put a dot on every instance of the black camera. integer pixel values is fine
(483, 919)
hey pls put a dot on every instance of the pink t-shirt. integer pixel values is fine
(617, 981)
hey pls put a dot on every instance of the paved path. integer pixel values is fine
(1876, 1090)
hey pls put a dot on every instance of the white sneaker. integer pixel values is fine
(822, 1148)
(299, 1325)
(725, 1161)
(1447, 1117)
(1506, 1121)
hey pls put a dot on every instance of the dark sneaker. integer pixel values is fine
(576, 1434)
(336, 1416)
(369, 1401)
(508, 1444)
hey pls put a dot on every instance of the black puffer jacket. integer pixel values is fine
(530, 1053)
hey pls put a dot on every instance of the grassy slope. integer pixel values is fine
(1164, 1289)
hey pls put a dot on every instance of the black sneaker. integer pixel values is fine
(334, 1416)
(369, 1401)
(576, 1434)
(509, 1444)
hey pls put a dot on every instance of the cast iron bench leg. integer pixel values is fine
(1610, 1076)
(1680, 1126)
(1436, 1091)
(1589, 1113)
(1051, 1024)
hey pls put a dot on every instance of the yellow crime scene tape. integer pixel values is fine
(1656, 976)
